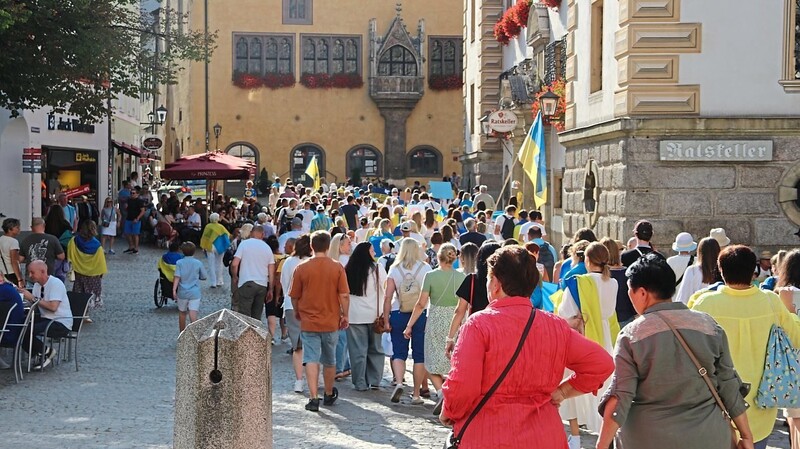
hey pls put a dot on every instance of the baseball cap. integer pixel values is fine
(405, 227)
(364, 220)
(320, 208)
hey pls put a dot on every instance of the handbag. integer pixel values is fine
(780, 383)
(704, 374)
(379, 325)
(453, 441)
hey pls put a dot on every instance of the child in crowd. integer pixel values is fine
(186, 286)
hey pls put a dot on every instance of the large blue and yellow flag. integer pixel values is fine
(534, 163)
(312, 171)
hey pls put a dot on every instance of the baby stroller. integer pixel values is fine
(162, 291)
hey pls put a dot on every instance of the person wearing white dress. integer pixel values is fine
(701, 274)
(583, 409)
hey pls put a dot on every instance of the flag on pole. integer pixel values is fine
(532, 157)
(312, 171)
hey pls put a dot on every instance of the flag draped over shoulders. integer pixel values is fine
(86, 256)
(215, 236)
(167, 264)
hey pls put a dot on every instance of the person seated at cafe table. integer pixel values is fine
(194, 224)
(54, 310)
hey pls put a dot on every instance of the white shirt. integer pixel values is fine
(362, 234)
(7, 244)
(418, 237)
(523, 230)
(343, 259)
(194, 221)
(679, 264)
(255, 257)
(607, 292)
(287, 275)
(691, 283)
(54, 290)
(286, 236)
(398, 273)
(307, 215)
(364, 309)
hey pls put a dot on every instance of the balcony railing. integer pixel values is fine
(400, 86)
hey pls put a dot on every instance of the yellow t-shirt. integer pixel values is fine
(747, 317)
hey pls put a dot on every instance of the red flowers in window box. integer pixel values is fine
(279, 80)
(445, 82)
(270, 80)
(557, 120)
(336, 81)
(513, 21)
(247, 80)
(552, 4)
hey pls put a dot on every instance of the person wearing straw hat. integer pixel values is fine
(718, 234)
(684, 244)
(764, 267)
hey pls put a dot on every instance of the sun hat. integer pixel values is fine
(684, 242)
(765, 255)
(718, 234)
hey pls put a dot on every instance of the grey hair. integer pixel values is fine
(213, 218)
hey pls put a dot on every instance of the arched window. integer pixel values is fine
(366, 159)
(254, 61)
(397, 61)
(425, 161)
(248, 152)
(241, 55)
(301, 156)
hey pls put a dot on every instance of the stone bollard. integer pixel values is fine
(223, 396)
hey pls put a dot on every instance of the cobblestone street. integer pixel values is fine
(122, 397)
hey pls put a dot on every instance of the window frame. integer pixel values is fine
(257, 156)
(788, 79)
(439, 162)
(330, 39)
(379, 157)
(309, 13)
(405, 51)
(263, 39)
(459, 58)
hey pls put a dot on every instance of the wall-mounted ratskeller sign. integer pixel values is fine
(152, 143)
(715, 150)
(502, 121)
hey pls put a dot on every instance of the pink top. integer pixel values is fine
(520, 411)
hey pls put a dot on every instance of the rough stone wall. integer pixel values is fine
(742, 198)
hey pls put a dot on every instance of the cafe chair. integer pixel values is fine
(79, 303)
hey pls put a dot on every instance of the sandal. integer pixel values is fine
(426, 393)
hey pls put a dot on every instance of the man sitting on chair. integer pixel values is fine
(53, 308)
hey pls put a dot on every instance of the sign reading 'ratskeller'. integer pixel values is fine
(716, 150)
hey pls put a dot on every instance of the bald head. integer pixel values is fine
(37, 272)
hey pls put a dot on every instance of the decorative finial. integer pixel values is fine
(399, 8)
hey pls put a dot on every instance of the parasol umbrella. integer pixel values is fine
(215, 165)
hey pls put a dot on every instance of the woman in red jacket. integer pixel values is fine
(524, 409)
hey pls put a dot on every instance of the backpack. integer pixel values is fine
(285, 224)
(227, 258)
(507, 231)
(546, 258)
(389, 261)
(409, 290)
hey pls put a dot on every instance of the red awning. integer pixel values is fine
(215, 165)
(128, 149)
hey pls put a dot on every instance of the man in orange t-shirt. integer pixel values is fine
(321, 300)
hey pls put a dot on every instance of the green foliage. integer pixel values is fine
(74, 55)
(263, 185)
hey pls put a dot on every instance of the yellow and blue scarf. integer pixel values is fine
(87, 256)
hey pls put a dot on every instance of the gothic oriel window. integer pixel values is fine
(397, 61)
(445, 56)
(262, 54)
(331, 54)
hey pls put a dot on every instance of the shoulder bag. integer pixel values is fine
(453, 441)
(379, 325)
(704, 374)
(780, 384)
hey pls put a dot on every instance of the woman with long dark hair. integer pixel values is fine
(471, 293)
(431, 225)
(366, 283)
(56, 224)
(703, 273)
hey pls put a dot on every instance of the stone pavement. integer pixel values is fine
(122, 397)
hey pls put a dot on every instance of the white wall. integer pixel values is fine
(741, 58)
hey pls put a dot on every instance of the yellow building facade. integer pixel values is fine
(394, 112)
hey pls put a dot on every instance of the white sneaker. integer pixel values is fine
(574, 442)
(298, 386)
(396, 394)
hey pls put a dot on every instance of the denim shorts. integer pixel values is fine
(132, 228)
(399, 320)
(319, 347)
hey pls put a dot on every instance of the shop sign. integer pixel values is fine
(502, 121)
(152, 143)
(715, 150)
(77, 191)
(68, 124)
(85, 157)
(31, 160)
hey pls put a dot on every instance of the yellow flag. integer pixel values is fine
(312, 171)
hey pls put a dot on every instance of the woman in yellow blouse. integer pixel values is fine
(747, 314)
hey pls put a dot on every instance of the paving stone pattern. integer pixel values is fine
(123, 395)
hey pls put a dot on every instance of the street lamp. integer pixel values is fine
(217, 132)
(156, 118)
(485, 123)
(549, 102)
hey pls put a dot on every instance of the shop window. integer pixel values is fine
(263, 53)
(331, 54)
(366, 159)
(71, 169)
(425, 161)
(300, 158)
(445, 56)
(397, 61)
(297, 12)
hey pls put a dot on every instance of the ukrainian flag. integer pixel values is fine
(534, 163)
(312, 171)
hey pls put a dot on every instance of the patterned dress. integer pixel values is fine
(441, 286)
(90, 284)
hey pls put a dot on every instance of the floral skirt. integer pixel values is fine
(90, 284)
(437, 329)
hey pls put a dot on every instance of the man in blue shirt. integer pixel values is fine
(186, 284)
(70, 213)
(123, 196)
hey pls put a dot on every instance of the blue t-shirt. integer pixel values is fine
(8, 293)
(191, 272)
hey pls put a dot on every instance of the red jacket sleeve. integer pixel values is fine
(462, 390)
(590, 362)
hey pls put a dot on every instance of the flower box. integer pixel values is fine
(445, 82)
(336, 81)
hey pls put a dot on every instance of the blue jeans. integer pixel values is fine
(399, 320)
(342, 356)
(57, 330)
(761, 444)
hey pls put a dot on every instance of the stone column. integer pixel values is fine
(394, 165)
(223, 396)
